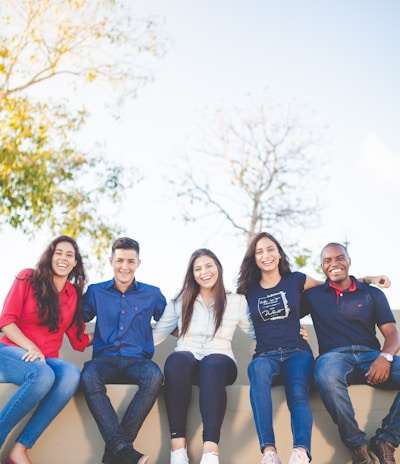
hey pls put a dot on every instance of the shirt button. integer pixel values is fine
(123, 312)
(121, 328)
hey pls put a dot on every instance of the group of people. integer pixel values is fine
(49, 301)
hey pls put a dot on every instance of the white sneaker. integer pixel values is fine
(298, 457)
(270, 457)
(210, 458)
(179, 456)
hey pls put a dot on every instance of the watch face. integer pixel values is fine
(387, 356)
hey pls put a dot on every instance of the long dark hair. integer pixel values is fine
(191, 289)
(250, 273)
(46, 293)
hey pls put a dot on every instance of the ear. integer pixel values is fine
(138, 263)
(110, 259)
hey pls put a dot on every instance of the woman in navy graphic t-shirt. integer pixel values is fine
(273, 293)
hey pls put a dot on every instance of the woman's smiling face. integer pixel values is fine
(205, 272)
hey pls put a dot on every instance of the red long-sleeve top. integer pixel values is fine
(20, 308)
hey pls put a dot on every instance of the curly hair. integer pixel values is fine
(191, 289)
(249, 273)
(46, 293)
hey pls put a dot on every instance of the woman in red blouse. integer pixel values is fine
(42, 305)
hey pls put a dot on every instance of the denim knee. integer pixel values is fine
(260, 371)
(154, 376)
(41, 377)
(328, 370)
(90, 379)
(70, 376)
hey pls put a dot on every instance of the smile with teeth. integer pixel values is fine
(336, 271)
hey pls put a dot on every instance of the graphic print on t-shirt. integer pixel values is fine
(273, 306)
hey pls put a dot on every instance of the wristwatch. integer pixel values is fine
(387, 356)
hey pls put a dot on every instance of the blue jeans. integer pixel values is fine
(294, 368)
(341, 367)
(49, 386)
(125, 370)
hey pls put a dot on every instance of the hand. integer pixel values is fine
(381, 281)
(379, 371)
(304, 333)
(33, 354)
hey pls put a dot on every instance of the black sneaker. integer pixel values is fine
(129, 456)
(107, 458)
(361, 455)
(383, 451)
(139, 458)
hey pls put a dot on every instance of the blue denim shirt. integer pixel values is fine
(123, 320)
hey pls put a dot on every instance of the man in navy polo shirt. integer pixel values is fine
(345, 314)
(122, 351)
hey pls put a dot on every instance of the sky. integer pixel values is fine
(337, 57)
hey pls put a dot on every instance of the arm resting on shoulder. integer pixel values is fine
(381, 281)
(311, 283)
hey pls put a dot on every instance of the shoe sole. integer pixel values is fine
(143, 459)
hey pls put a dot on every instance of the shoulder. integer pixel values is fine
(25, 274)
(297, 276)
(313, 292)
(369, 288)
(294, 280)
(374, 292)
(99, 286)
(142, 287)
(235, 298)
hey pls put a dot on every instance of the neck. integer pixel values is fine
(59, 282)
(207, 296)
(270, 279)
(122, 288)
(343, 284)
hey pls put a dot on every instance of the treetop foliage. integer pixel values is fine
(46, 179)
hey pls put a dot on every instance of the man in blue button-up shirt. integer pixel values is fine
(122, 351)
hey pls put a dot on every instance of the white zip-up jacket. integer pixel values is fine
(200, 339)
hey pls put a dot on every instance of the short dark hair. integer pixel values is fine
(125, 243)
(335, 244)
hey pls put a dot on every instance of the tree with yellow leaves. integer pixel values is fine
(46, 180)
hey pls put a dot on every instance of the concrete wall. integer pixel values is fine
(73, 436)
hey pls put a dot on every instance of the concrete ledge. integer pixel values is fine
(73, 436)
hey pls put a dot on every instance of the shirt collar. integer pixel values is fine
(132, 287)
(67, 288)
(353, 287)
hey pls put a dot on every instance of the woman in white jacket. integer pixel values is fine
(206, 316)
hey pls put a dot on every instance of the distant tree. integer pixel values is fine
(46, 47)
(257, 170)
